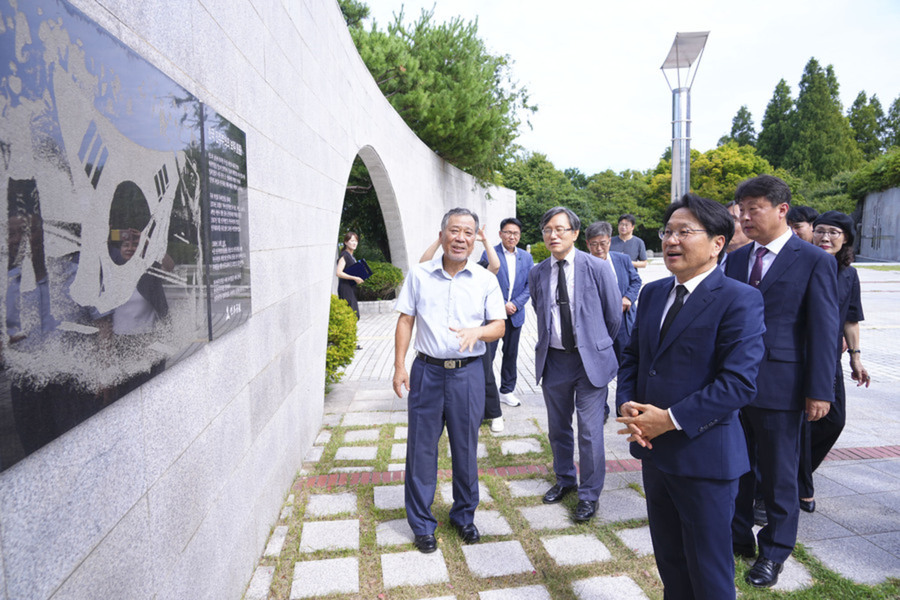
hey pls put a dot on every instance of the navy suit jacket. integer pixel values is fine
(630, 285)
(800, 294)
(520, 293)
(704, 370)
(597, 311)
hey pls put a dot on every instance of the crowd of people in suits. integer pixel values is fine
(729, 377)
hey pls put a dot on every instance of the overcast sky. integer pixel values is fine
(593, 66)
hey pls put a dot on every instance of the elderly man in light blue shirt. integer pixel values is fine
(457, 307)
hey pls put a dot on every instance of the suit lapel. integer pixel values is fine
(694, 306)
(655, 305)
(783, 260)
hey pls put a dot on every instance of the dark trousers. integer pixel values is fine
(777, 435)
(508, 371)
(568, 390)
(491, 395)
(439, 396)
(819, 437)
(690, 525)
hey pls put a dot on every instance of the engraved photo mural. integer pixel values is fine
(126, 230)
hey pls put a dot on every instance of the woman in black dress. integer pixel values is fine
(833, 233)
(346, 282)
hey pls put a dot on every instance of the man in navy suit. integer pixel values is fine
(799, 286)
(690, 366)
(579, 308)
(515, 264)
(598, 237)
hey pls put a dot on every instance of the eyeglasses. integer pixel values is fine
(599, 244)
(511, 233)
(681, 234)
(548, 231)
(829, 233)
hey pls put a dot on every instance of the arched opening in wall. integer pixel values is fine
(370, 210)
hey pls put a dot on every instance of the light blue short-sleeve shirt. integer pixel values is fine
(439, 302)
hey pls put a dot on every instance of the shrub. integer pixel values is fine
(341, 339)
(539, 252)
(383, 283)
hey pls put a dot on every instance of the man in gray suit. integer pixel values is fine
(579, 309)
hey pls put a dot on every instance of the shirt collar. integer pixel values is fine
(775, 245)
(692, 283)
(507, 252)
(570, 257)
(437, 264)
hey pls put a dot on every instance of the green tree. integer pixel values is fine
(777, 132)
(742, 129)
(613, 194)
(867, 120)
(892, 125)
(455, 95)
(361, 213)
(715, 174)
(354, 12)
(578, 179)
(824, 144)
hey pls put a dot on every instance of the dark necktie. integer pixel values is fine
(565, 313)
(756, 271)
(680, 293)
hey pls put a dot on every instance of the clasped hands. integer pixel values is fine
(643, 422)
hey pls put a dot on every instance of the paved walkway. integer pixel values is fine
(343, 531)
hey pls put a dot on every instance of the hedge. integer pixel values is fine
(341, 339)
(383, 283)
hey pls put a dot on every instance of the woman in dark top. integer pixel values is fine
(346, 282)
(833, 233)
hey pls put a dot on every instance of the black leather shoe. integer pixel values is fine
(557, 493)
(584, 510)
(759, 513)
(426, 544)
(808, 505)
(744, 550)
(468, 533)
(764, 573)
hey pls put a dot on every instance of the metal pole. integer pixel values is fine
(681, 142)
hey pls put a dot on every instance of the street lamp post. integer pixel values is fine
(683, 58)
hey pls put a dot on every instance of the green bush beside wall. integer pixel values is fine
(341, 339)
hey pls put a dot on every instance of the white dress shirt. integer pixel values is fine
(773, 247)
(511, 269)
(555, 327)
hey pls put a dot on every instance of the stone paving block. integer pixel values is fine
(547, 516)
(413, 568)
(396, 466)
(862, 478)
(366, 419)
(401, 433)
(394, 533)
(888, 499)
(361, 435)
(356, 453)
(314, 454)
(323, 438)
(620, 505)
(323, 505)
(360, 469)
(330, 535)
(389, 497)
(816, 526)
(857, 559)
(441, 598)
(523, 488)
(480, 451)
(528, 592)
(260, 584)
(491, 522)
(314, 578)
(520, 446)
(399, 416)
(576, 549)
(374, 394)
(889, 542)
(370, 405)
(331, 420)
(290, 499)
(860, 514)
(637, 539)
(608, 588)
(794, 577)
(515, 427)
(890, 466)
(446, 491)
(495, 559)
(276, 542)
(827, 487)
(398, 452)
(286, 513)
